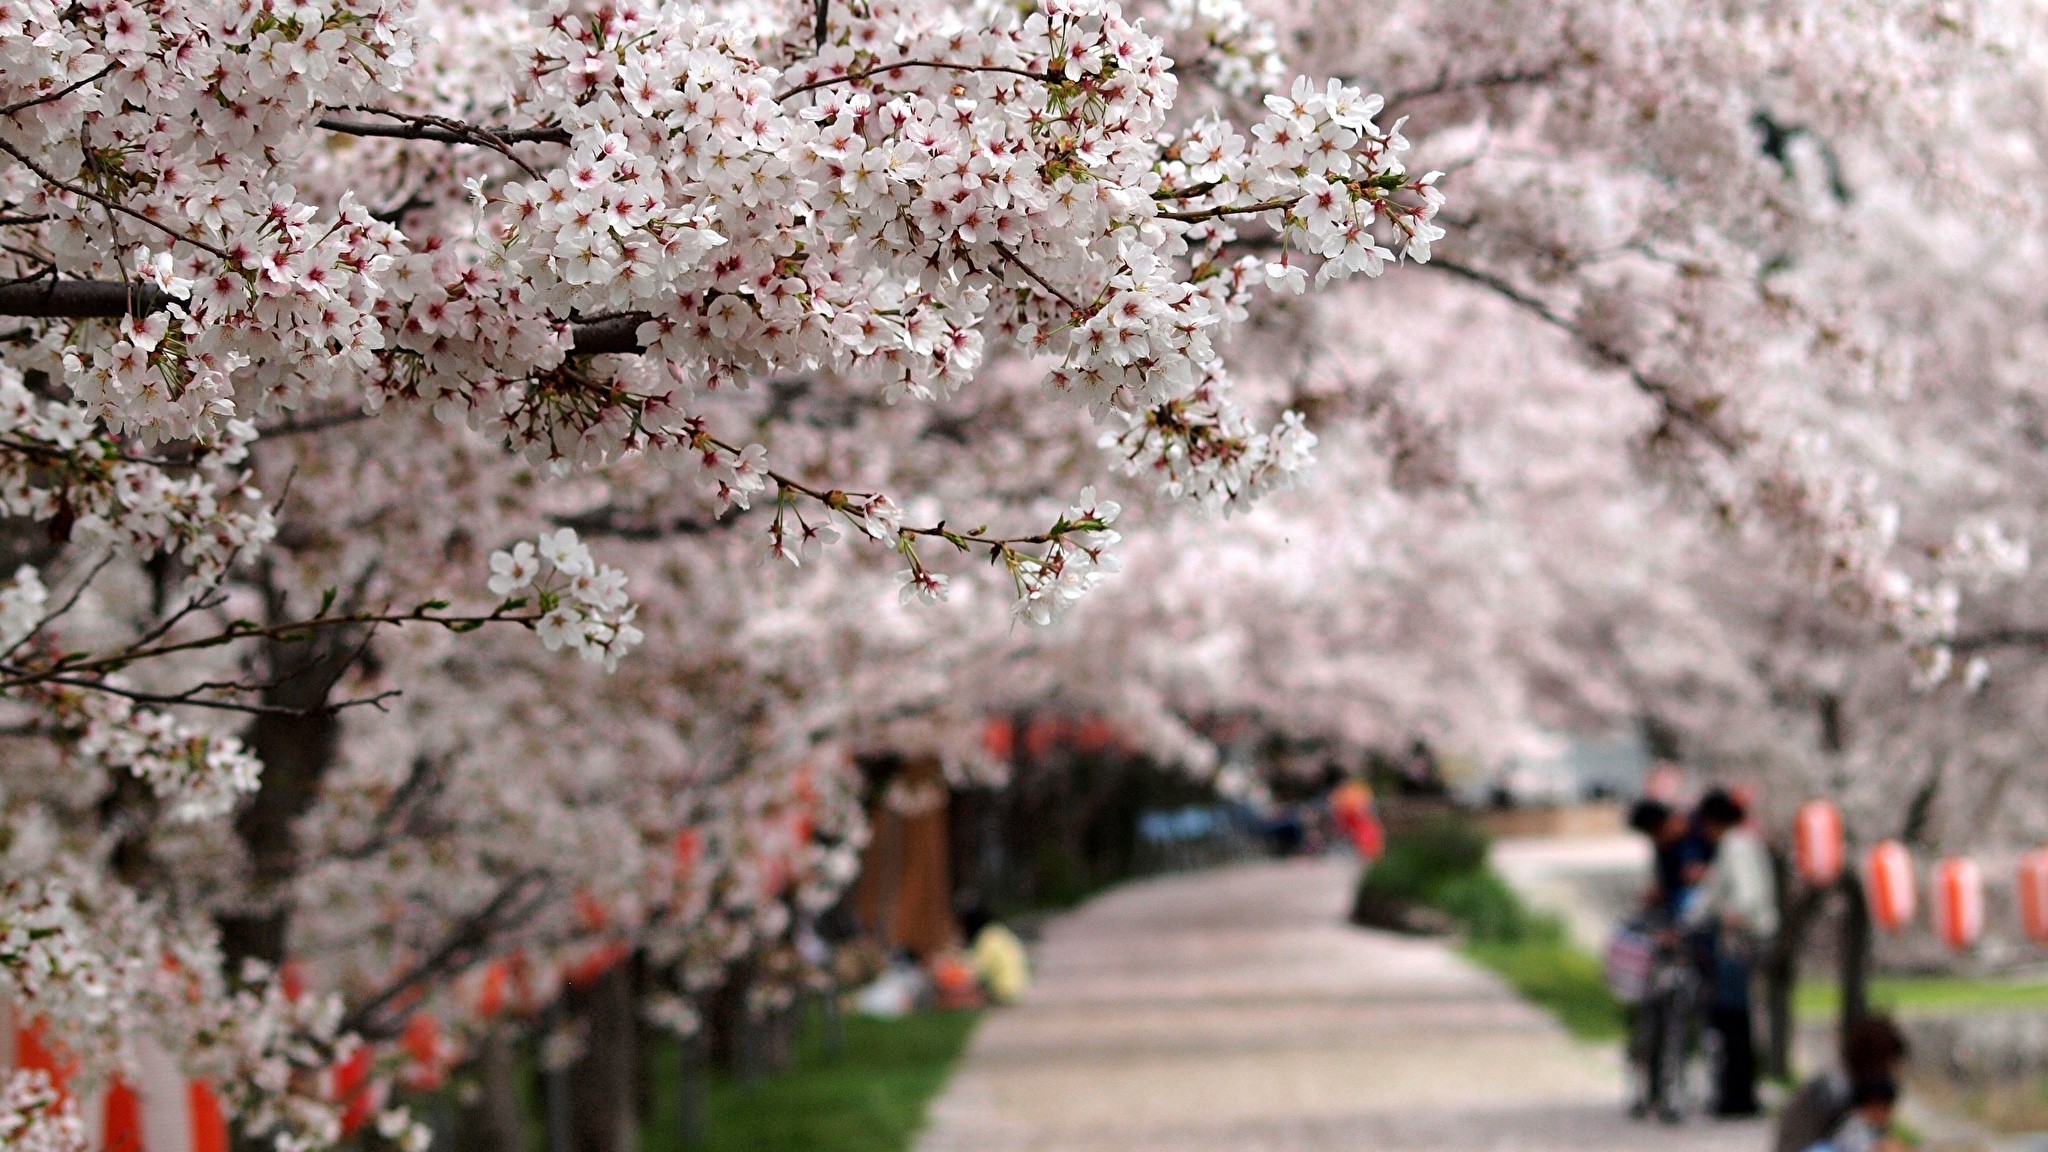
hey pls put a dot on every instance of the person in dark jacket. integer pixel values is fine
(1873, 1049)
(1681, 854)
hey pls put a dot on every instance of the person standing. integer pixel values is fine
(1738, 909)
(1680, 854)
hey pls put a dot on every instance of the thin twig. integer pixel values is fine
(294, 426)
(879, 69)
(1445, 84)
(53, 97)
(448, 131)
(191, 699)
(1231, 210)
(1040, 280)
(108, 203)
(68, 604)
(247, 630)
(464, 943)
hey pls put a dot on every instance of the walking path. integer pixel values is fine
(1234, 1010)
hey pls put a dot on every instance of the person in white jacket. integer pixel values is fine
(1738, 907)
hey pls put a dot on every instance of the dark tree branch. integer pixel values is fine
(81, 299)
(59, 94)
(2001, 638)
(463, 946)
(422, 783)
(1444, 84)
(445, 135)
(194, 698)
(111, 299)
(884, 69)
(1674, 408)
(619, 524)
(106, 202)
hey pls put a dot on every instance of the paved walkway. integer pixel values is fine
(1234, 1010)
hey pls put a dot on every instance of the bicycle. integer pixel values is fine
(1670, 1054)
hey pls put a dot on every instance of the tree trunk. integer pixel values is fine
(296, 751)
(555, 1090)
(1855, 952)
(602, 1089)
(690, 1105)
(1781, 971)
(497, 1122)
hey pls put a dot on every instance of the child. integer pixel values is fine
(1868, 1128)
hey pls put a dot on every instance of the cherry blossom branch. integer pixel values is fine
(608, 521)
(1231, 210)
(856, 77)
(72, 665)
(107, 202)
(462, 945)
(81, 299)
(441, 129)
(2000, 638)
(192, 697)
(53, 97)
(1041, 281)
(61, 610)
(111, 299)
(1673, 407)
(1444, 84)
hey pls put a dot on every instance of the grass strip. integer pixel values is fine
(1440, 865)
(1554, 975)
(1926, 994)
(871, 1097)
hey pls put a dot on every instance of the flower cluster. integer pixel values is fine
(184, 115)
(582, 605)
(1202, 448)
(57, 464)
(1073, 563)
(200, 774)
(34, 1117)
(876, 208)
(21, 607)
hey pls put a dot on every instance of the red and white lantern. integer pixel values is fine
(1888, 882)
(159, 1110)
(1817, 843)
(2033, 893)
(1959, 901)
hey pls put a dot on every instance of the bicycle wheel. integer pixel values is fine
(1642, 1041)
(1677, 1049)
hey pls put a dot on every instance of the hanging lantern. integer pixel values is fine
(1888, 882)
(2033, 892)
(1959, 901)
(1817, 843)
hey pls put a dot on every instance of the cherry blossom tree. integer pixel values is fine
(576, 233)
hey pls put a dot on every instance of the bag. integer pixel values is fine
(1630, 955)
